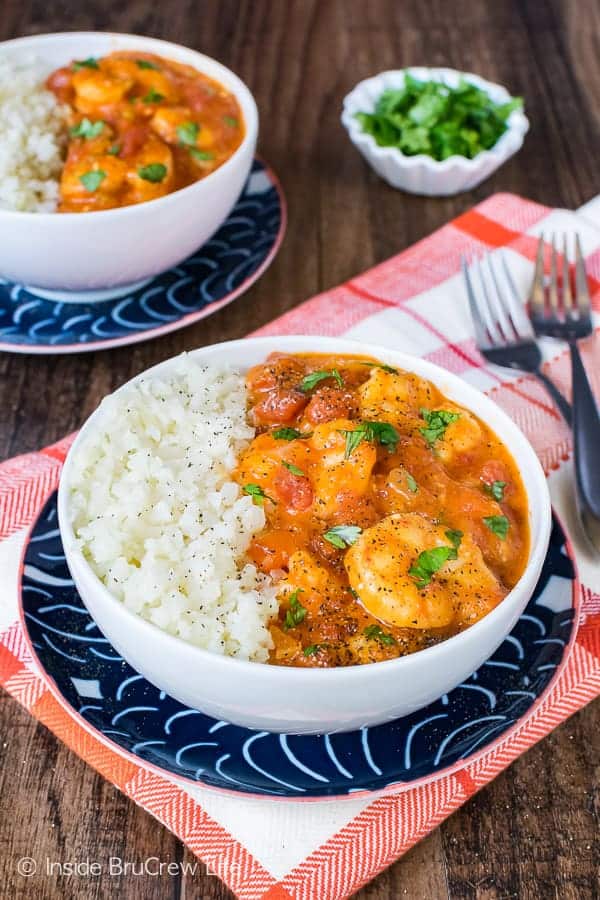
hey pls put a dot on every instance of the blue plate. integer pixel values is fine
(95, 682)
(218, 272)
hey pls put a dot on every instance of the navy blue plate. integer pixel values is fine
(218, 272)
(94, 681)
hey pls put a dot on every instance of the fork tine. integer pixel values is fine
(536, 296)
(486, 307)
(519, 317)
(582, 295)
(553, 287)
(499, 303)
(481, 338)
(567, 292)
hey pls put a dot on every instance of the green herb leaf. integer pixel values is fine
(342, 536)
(231, 121)
(380, 432)
(153, 172)
(257, 493)
(374, 632)
(312, 649)
(431, 561)
(495, 490)
(114, 150)
(188, 133)
(89, 63)
(437, 421)
(296, 612)
(498, 525)
(411, 483)
(93, 179)
(376, 365)
(152, 97)
(431, 118)
(311, 380)
(289, 434)
(293, 469)
(201, 155)
(353, 438)
(87, 129)
(146, 64)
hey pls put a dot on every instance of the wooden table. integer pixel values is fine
(533, 833)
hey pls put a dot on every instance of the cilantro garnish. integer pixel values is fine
(293, 469)
(257, 493)
(93, 179)
(87, 129)
(153, 172)
(495, 490)
(114, 150)
(231, 121)
(342, 536)
(89, 63)
(376, 365)
(296, 612)
(201, 155)
(289, 434)
(498, 525)
(188, 133)
(437, 421)
(311, 380)
(411, 483)
(431, 561)
(380, 432)
(431, 118)
(312, 649)
(146, 64)
(374, 632)
(152, 97)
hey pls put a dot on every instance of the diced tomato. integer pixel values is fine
(133, 140)
(278, 406)
(59, 82)
(328, 403)
(294, 491)
(272, 550)
(494, 470)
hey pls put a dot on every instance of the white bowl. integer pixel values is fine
(421, 174)
(302, 700)
(117, 247)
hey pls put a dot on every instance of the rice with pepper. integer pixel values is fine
(33, 137)
(160, 520)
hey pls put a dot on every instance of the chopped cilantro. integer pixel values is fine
(495, 490)
(87, 129)
(146, 64)
(152, 97)
(498, 525)
(381, 432)
(114, 150)
(89, 63)
(312, 649)
(374, 632)
(342, 536)
(437, 420)
(231, 121)
(93, 179)
(201, 155)
(289, 434)
(411, 483)
(257, 493)
(295, 613)
(311, 380)
(431, 561)
(293, 469)
(440, 121)
(153, 172)
(187, 133)
(376, 365)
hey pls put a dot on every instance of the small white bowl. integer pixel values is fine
(421, 174)
(94, 251)
(302, 700)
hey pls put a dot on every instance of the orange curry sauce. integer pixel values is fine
(141, 127)
(394, 517)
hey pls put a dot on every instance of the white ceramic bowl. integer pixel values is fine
(99, 250)
(300, 700)
(421, 174)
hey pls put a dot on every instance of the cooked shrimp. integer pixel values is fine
(334, 473)
(460, 590)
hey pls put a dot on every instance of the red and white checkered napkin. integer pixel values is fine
(327, 849)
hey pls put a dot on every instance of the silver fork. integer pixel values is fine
(503, 332)
(563, 313)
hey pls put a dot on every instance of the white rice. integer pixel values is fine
(33, 138)
(159, 519)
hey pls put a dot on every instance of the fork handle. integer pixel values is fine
(563, 404)
(586, 436)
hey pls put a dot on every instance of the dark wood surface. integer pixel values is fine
(533, 833)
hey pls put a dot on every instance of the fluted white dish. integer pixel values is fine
(421, 174)
(313, 700)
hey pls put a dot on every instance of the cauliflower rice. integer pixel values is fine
(158, 517)
(33, 137)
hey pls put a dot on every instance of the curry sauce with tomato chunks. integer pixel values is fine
(394, 517)
(141, 127)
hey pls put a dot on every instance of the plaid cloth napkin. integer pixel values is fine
(291, 849)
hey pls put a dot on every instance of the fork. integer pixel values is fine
(503, 332)
(565, 314)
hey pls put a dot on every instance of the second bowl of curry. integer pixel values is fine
(161, 141)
